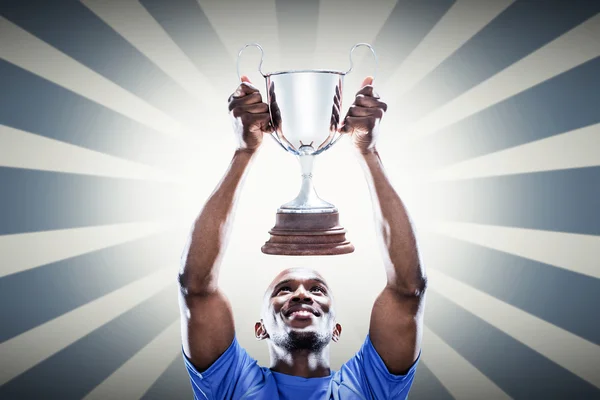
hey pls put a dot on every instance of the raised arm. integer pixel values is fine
(397, 315)
(207, 320)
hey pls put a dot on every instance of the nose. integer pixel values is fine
(301, 295)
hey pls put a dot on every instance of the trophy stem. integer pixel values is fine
(307, 199)
(307, 189)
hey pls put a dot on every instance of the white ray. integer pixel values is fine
(132, 21)
(38, 344)
(574, 149)
(21, 149)
(341, 26)
(570, 251)
(572, 352)
(462, 21)
(231, 20)
(21, 48)
(457, 375)
(25, 251)
(139, 373)
(574, 48)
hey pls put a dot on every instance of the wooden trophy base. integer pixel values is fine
(307, 234)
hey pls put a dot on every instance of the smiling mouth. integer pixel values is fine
(303, 312)
(300, 314)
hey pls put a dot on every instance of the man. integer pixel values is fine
(298, 318)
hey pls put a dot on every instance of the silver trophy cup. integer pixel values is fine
(305, 113)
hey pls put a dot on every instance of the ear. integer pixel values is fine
(337, 332)
(260, 332)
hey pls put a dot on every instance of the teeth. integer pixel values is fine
(302, 313)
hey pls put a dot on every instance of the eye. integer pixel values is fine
(284, 289)
(317, 289)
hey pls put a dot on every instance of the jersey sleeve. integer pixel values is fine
(232, 375)
(366, 376)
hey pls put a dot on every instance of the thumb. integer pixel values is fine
(345, 128)
(367, 81)
(245, 79)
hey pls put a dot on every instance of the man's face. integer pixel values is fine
(298, 310)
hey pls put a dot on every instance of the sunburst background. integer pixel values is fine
(114, 131)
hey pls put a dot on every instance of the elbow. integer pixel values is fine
(193, 285)
(197, 273)
(419, 287)
(183, 283)
(411, 288)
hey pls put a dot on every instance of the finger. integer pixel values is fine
(367, 81)
(335, 116)
(336, 101)
(356, 111)
(263, 121)
(344, 128)
(257, 108)
(335, 109)
(246, 100)
(272, 89)
(358, 123)
(250, 118)
(275, 112)
(369, 102)
(367, 91)
(245, 88)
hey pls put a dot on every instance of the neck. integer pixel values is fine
(304, 363)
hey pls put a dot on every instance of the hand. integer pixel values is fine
(362, 120)
(251, 118)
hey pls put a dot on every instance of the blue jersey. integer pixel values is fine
(236, 375)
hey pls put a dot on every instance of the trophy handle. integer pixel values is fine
(372, 51)
(262, 55)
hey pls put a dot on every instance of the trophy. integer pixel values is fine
(305, 108)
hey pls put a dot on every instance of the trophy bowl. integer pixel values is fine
(305, 114)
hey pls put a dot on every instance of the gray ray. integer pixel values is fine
(560, 200)
(574, 149)
(519, 370)
(139, 373)
(56, 245)
(571, 352)
(462, 21)
(297, 27)
(21, 48)
(573, 252)
(189, 27)
(529, 285)
(341, 25)
(174, 383)
(132, 21)
(21, 149)
(406, 26)
(427, 386)
(238, 22)
(459, 377)
(41, 342)
(579, 45)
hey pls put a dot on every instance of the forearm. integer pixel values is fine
(394, 230)
(208, 239)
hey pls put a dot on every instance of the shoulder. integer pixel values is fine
(233, 374)
(365, 374)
